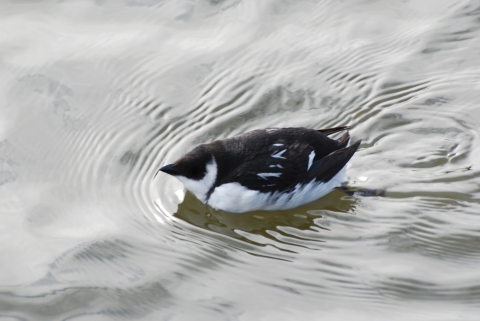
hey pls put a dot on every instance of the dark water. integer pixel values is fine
(97, 95)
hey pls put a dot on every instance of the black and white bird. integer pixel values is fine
(265, 169)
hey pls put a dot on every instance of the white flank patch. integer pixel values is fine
(279, 154)
(310, 159)
(265, 175)
(201, 187)
(235, 198)
(277, 166)
(277, 145)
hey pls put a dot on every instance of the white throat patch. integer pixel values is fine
(201, 187)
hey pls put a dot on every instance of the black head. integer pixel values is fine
(192, 165)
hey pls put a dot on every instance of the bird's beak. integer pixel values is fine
(169, 169)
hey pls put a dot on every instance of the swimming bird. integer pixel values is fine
(265, 169)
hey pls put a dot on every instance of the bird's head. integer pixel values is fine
(197, 170)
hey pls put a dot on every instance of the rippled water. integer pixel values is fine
(97, 95)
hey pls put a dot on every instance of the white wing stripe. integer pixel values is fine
(277, 165)
(310, 160)
(279, 154)
(265, 175)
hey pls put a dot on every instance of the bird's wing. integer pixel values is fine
(326, 168)
(278, 167)
(283, 167)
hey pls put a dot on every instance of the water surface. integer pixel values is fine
(97, 95)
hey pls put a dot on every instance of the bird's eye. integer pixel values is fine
(195, 172)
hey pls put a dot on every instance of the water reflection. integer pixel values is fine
(281, 226)
(93, 103)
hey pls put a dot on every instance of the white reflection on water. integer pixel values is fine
(97, 95)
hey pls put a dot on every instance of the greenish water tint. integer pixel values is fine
(97, 95)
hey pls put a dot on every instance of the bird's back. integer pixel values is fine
(269, 160)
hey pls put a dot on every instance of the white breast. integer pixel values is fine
(233, 197)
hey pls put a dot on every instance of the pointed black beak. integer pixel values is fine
(169, 170)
